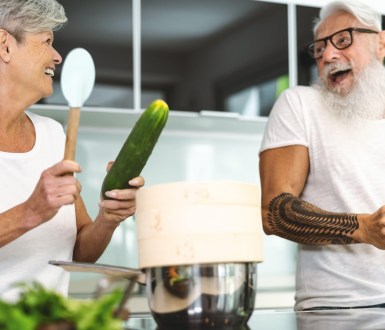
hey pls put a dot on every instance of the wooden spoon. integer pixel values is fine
(77, 82)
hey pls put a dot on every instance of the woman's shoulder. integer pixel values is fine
(47, 122)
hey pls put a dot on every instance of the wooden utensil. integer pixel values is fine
(77, 82)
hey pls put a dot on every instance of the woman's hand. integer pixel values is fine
(56, 187)
(122, 203)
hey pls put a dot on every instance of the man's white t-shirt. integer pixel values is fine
(26, 258)
(347, 174)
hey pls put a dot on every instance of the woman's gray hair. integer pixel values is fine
(31, 16)
(365, 14)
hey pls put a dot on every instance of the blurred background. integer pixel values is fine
(197, 55)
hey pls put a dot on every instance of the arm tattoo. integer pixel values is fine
(301, 222)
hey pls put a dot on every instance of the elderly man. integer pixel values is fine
(322, 164)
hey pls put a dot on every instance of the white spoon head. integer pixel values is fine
(77, 77)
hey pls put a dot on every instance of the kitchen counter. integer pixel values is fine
(365, 318)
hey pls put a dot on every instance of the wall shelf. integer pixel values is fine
(122, 119)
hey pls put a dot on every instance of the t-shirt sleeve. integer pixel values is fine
(285, 126)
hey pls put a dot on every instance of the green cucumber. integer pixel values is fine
(137, 148)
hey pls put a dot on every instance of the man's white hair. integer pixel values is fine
(365, 14)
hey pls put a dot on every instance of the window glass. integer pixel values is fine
(201, 52)
(105, 30)
(257, 100)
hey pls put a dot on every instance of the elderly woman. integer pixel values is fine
(42, 216)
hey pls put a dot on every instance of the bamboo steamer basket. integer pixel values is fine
(184, 223)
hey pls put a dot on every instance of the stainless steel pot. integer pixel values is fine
(217, 295)
(202, 296)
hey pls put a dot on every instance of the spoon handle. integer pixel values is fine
(72, 133)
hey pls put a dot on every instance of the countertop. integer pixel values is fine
(349, 319)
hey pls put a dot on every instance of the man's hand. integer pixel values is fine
(372, 228)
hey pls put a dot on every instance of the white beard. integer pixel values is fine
(366, 100)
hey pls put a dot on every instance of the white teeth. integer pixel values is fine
(49, 72)
(336, 68)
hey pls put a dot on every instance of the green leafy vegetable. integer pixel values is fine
(12, 318)
(38, 306)
(42, 305)
(98, 313)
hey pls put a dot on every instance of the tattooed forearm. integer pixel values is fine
(301, 222)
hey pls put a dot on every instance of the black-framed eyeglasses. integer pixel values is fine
(341, 39)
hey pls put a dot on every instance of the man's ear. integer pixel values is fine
(381, 46)
(4, 46)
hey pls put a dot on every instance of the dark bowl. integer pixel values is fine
(202, 296)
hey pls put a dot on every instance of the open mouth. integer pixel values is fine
(338, 75)
(49, 72)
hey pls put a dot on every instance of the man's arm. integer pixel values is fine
(299, 221)
(283, 174)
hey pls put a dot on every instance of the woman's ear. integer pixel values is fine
(4, 46)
